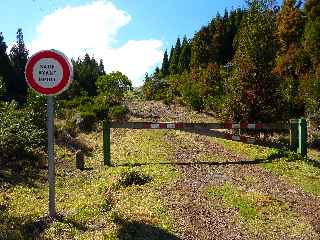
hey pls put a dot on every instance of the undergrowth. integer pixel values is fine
(99, 202)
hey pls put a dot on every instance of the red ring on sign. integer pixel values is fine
(66, 72)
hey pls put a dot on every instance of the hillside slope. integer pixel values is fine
(166, 184)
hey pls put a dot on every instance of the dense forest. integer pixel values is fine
(261, 63)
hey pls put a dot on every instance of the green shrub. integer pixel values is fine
(100, 107)
(193, 98)
(20, 133)
(117, 217)
(77, 102)
(97, 106)
(134, 95)
(118, 112)
(169, 98)
(113, 86)
(193, 95)
(36, 104)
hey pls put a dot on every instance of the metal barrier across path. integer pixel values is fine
(296, 127)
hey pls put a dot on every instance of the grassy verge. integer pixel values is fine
(120, 202)
(284, 163)
(261, 215)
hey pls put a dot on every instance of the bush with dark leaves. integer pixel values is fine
(19, 132)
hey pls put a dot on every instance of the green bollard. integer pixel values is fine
(303, 137)
(106, 144)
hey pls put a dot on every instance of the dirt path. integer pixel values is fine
(194, 214)
(198, 216)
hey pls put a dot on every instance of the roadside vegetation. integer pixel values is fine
(120, 202)
(260, 63)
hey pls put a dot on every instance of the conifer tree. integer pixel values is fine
(165, 65)
(200, 49)
(231, 27)
(147, 87)
(185, 56)
(157, 72)
(290, 24)
(88, 74)
(312, 8)
(101, 68)
(2, 88)
(170, 56)
(216, 33)
(5, 68)
(19, 58)
(3, 46)
(175, 58)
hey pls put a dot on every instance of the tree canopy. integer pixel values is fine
(261, 62)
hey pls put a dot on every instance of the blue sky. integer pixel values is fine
(129, 35)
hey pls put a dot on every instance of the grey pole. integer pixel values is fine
(51, 166)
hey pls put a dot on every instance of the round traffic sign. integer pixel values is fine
(49, 72)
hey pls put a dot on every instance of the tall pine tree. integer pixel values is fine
(101, 68)
(6, 71)
(231, 28)
(19, 58)
(89, 73)
(216, 34)
(185, 56)
(290, 24)
(200, 49)
(165, 65)
(86, 72)
(175, 58)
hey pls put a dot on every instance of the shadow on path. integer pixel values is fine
(12, 227)
(21, 172)
(245, 162)
(141, 231)
(221, 134)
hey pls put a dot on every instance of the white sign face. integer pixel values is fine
(47, 72)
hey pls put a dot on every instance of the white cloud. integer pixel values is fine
(135, 58)
(93, 28)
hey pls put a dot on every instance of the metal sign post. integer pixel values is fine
(49, 72)
(51, 164)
